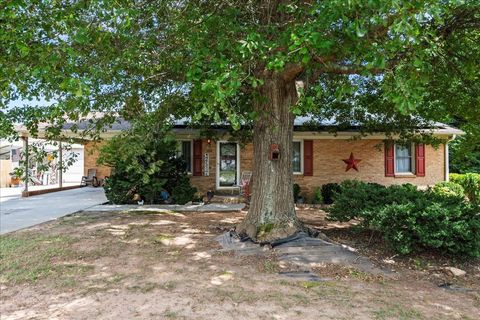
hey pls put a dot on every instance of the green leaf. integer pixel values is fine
(360, 30)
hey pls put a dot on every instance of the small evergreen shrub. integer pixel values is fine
(354, 198)
(409, 227)
(118, 190)
(183, 192)
(448, 189)
(470, 183)
(328, 191)
(411, 219)
(317, 196)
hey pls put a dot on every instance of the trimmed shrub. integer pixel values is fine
(448, 189)
(182, 191)
(470, 183)
(118, 190)
(410, 227)
(328, 192)
(354, 198)
(411, 219)
(317, 196)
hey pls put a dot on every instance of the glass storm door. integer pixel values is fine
(228, 166)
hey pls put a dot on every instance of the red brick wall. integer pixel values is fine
(329, 167)
(327, 164)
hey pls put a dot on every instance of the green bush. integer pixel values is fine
(470, 183)
(118, 190)
(355, 198)
(317, 196)
(144, 162)
(427, 224)
(411, 219)
(328, 192)
(183, 192)
(448, 189)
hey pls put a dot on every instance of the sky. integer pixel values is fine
(21, 103)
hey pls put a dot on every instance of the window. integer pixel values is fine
(403, 159)
(184, 151)
(297, 157)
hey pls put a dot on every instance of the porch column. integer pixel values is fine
(60, 167)
(27, 173)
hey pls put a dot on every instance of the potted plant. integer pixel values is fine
(198, 198)
(15, 179)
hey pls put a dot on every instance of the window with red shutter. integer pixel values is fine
(308, 157)
(197, 158)
(420, 160)
(389, 159)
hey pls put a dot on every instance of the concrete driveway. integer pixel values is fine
(18, 213)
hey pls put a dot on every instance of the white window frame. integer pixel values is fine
(301, 157)
(191, 153)
(413, 156)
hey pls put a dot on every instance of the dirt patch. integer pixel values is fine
(150, 265)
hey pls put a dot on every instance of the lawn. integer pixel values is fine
(167, 265)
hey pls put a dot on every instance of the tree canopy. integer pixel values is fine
(394, 66)
(386, 63)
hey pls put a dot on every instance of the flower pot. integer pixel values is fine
(15, 181)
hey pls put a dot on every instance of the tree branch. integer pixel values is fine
(342, 69)
(291, 71)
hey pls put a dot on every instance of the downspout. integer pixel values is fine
(447, 159)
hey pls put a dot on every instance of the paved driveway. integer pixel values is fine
(18, 213)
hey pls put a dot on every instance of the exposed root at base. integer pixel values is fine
(274, 235)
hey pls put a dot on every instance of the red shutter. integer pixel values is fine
(420, 159)
(197, 158)
(389, 159)
(308, 157)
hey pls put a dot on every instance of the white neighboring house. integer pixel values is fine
(10, 153)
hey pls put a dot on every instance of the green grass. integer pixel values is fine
(144, 287)
(28, 258)
(397, 311)
(134, 213)
(78, 219)
(270, 266)
(310, 284)
(169, 285)
(170, 314)
(161, 238)
(236, 295)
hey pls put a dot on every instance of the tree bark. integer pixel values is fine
(272, 210)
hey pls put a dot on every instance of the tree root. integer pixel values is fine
(274, 235)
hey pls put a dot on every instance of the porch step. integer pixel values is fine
(227, 199)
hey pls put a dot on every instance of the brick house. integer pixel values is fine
(318, 158)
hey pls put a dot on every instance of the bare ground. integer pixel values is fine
(150, 265)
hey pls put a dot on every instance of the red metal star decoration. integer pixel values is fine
(351, 162)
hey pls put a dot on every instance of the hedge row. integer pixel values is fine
(410, 219)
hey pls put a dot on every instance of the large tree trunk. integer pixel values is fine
(272, 210)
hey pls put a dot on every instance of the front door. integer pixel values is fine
(227, 164)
